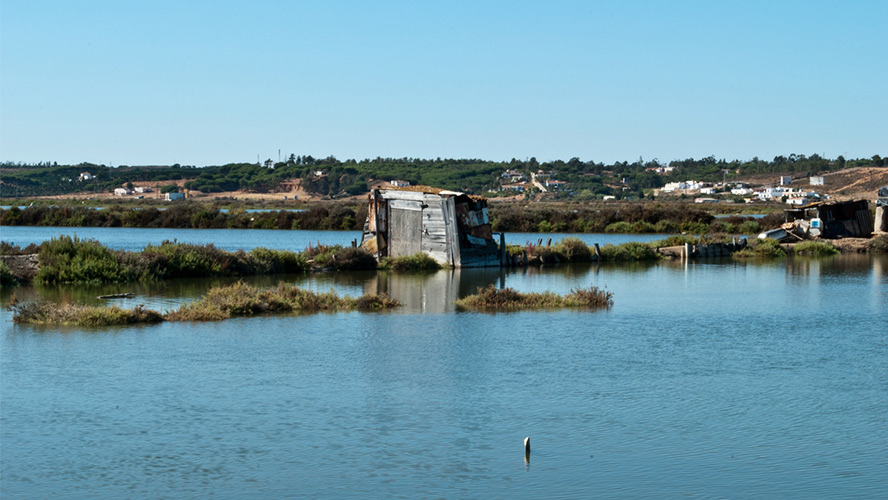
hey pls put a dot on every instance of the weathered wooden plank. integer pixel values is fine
(402, 195)
(406, 232)
(448, 206)
(405, 205)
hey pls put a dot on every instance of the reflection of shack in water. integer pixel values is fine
(433, 292)
(452, 228)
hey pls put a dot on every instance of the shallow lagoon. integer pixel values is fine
(711, 379)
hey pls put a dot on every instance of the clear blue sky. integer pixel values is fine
(206, 83)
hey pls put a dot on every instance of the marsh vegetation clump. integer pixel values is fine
(491, 298)
(69, 259)
(628, 252)
(48, 313)
(572, 249)
(767, 248)
(418, 262)
(353, 259)
(815, 249)
(241, 299)
(6, 277)
(238, 299)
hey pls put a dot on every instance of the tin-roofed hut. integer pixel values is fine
(835, 219)
(451, 227)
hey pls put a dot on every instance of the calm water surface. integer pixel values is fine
(704, 380)
(135, 239)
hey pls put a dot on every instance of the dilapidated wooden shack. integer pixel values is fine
(451, 227)
(836, 219)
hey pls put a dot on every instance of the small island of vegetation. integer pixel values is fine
(223, 302)
(491, 298)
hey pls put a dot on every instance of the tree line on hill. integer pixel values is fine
(334, 178)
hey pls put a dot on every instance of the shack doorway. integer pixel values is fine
(406, 233)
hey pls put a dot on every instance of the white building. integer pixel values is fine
(143, 189)
(681, 186)
(771, 193)
(785, 180)
(122, 191)
(399, 183)
(86, 176)
(174, 196)
(513, 176)
(816, 180)
(741, 191)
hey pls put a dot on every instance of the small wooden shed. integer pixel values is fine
(451, 227)
(838, 219)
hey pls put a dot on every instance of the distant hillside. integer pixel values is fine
(331, 178)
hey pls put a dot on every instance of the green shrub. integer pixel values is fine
(815, 249)
(627, 252)
(642, 226)
(767, 248)
(6, 277)
(188, 260)
(353, 259)
(241, 299)
(268, 261)
(666, 226)
(619, 227)
(507, 299)
(71, 260)
(48, 313)
(416, 262)
(694, 227)
(572, 249)
(749, 227)
(675, 240)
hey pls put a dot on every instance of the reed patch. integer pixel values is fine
(491, 298)
(223, 302)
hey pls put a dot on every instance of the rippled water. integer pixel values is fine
(704, 380)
